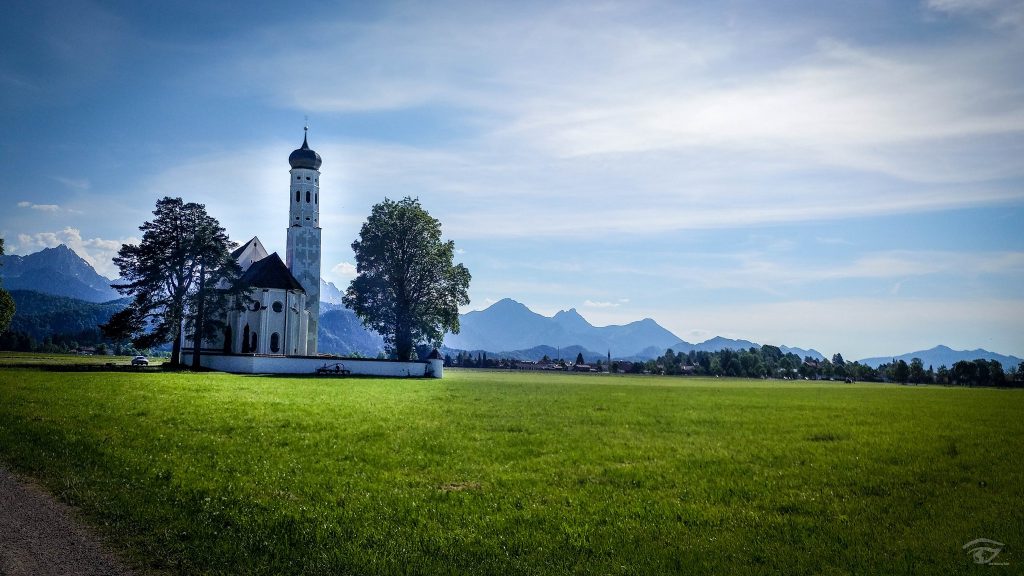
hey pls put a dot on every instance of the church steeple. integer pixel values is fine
(305, 157)
(303, 250)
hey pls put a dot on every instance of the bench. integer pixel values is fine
(337, 369)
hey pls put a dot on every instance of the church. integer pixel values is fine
(284, 317)
(277, 331)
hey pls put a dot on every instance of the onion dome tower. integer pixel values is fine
(303, 250)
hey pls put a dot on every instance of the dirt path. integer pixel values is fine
(39, 536)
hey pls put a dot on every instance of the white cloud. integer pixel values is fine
(80, 184)
(756, 270)
(344, 270)
(600, 304)
(641, 124)
(40, 207)
(1008, 13)
(98, 252)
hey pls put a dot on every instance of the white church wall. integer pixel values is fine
(249, 364)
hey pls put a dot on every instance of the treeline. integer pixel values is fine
(771, 362)
(86, 340)
(57, 324)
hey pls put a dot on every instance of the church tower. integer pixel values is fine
(303, 250)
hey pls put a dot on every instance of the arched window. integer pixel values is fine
(317, 198)
(253, 346)
(245, 340)
(298, 196)
(228, 345)
(307, 196)
(275, 342)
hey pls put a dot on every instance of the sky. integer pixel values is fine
(847, 176)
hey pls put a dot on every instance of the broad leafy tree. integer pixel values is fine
(407, 287)
(183, 254)
(6, 302)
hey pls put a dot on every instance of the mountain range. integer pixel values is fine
(508, 325)
(56, 291)
(509, 329)
(58, 271)
(945, 356)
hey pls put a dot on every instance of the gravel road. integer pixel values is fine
(40, 536)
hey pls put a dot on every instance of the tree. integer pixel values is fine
(183, 252)
(579, 358)
(917, 374)
(6, 302)
(901, 372)
(216, 281)
(407, 287)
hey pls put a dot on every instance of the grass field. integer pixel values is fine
(524, 473)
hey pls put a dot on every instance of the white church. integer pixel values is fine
(277, 332)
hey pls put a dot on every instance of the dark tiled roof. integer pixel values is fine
(270, 273)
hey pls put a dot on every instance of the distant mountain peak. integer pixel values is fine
(571, 320)
(58, 271)
(505, 303)
(509, 325)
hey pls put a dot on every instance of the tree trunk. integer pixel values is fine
(176, 347)
(200, 323)
(403, 343)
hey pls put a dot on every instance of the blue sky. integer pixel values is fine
(840, 175)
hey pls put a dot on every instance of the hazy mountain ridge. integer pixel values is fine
(330, 293)
(509, 325)
(945, 356)
(510, 329)
(58, 271)
(40, 315)
(340, 332)
(719, 343)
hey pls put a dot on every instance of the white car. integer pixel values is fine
(140, 361)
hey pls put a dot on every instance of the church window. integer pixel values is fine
(307, 196)
(275, 342)
(278, 306)
(307, 177)
(255, 341)
(297, 196)
(298, 177)
(316, 198)
(255, 307)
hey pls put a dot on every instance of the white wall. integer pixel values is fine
(243, 364)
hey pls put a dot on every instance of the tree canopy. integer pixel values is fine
(407, 287)
(184, 253)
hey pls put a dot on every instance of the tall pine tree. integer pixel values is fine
(181, 272)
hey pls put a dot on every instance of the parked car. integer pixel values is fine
(140, 361)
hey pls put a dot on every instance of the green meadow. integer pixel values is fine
(523, 473)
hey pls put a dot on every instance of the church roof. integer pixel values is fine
(270, 272)
(249, 253)
(304, 157)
